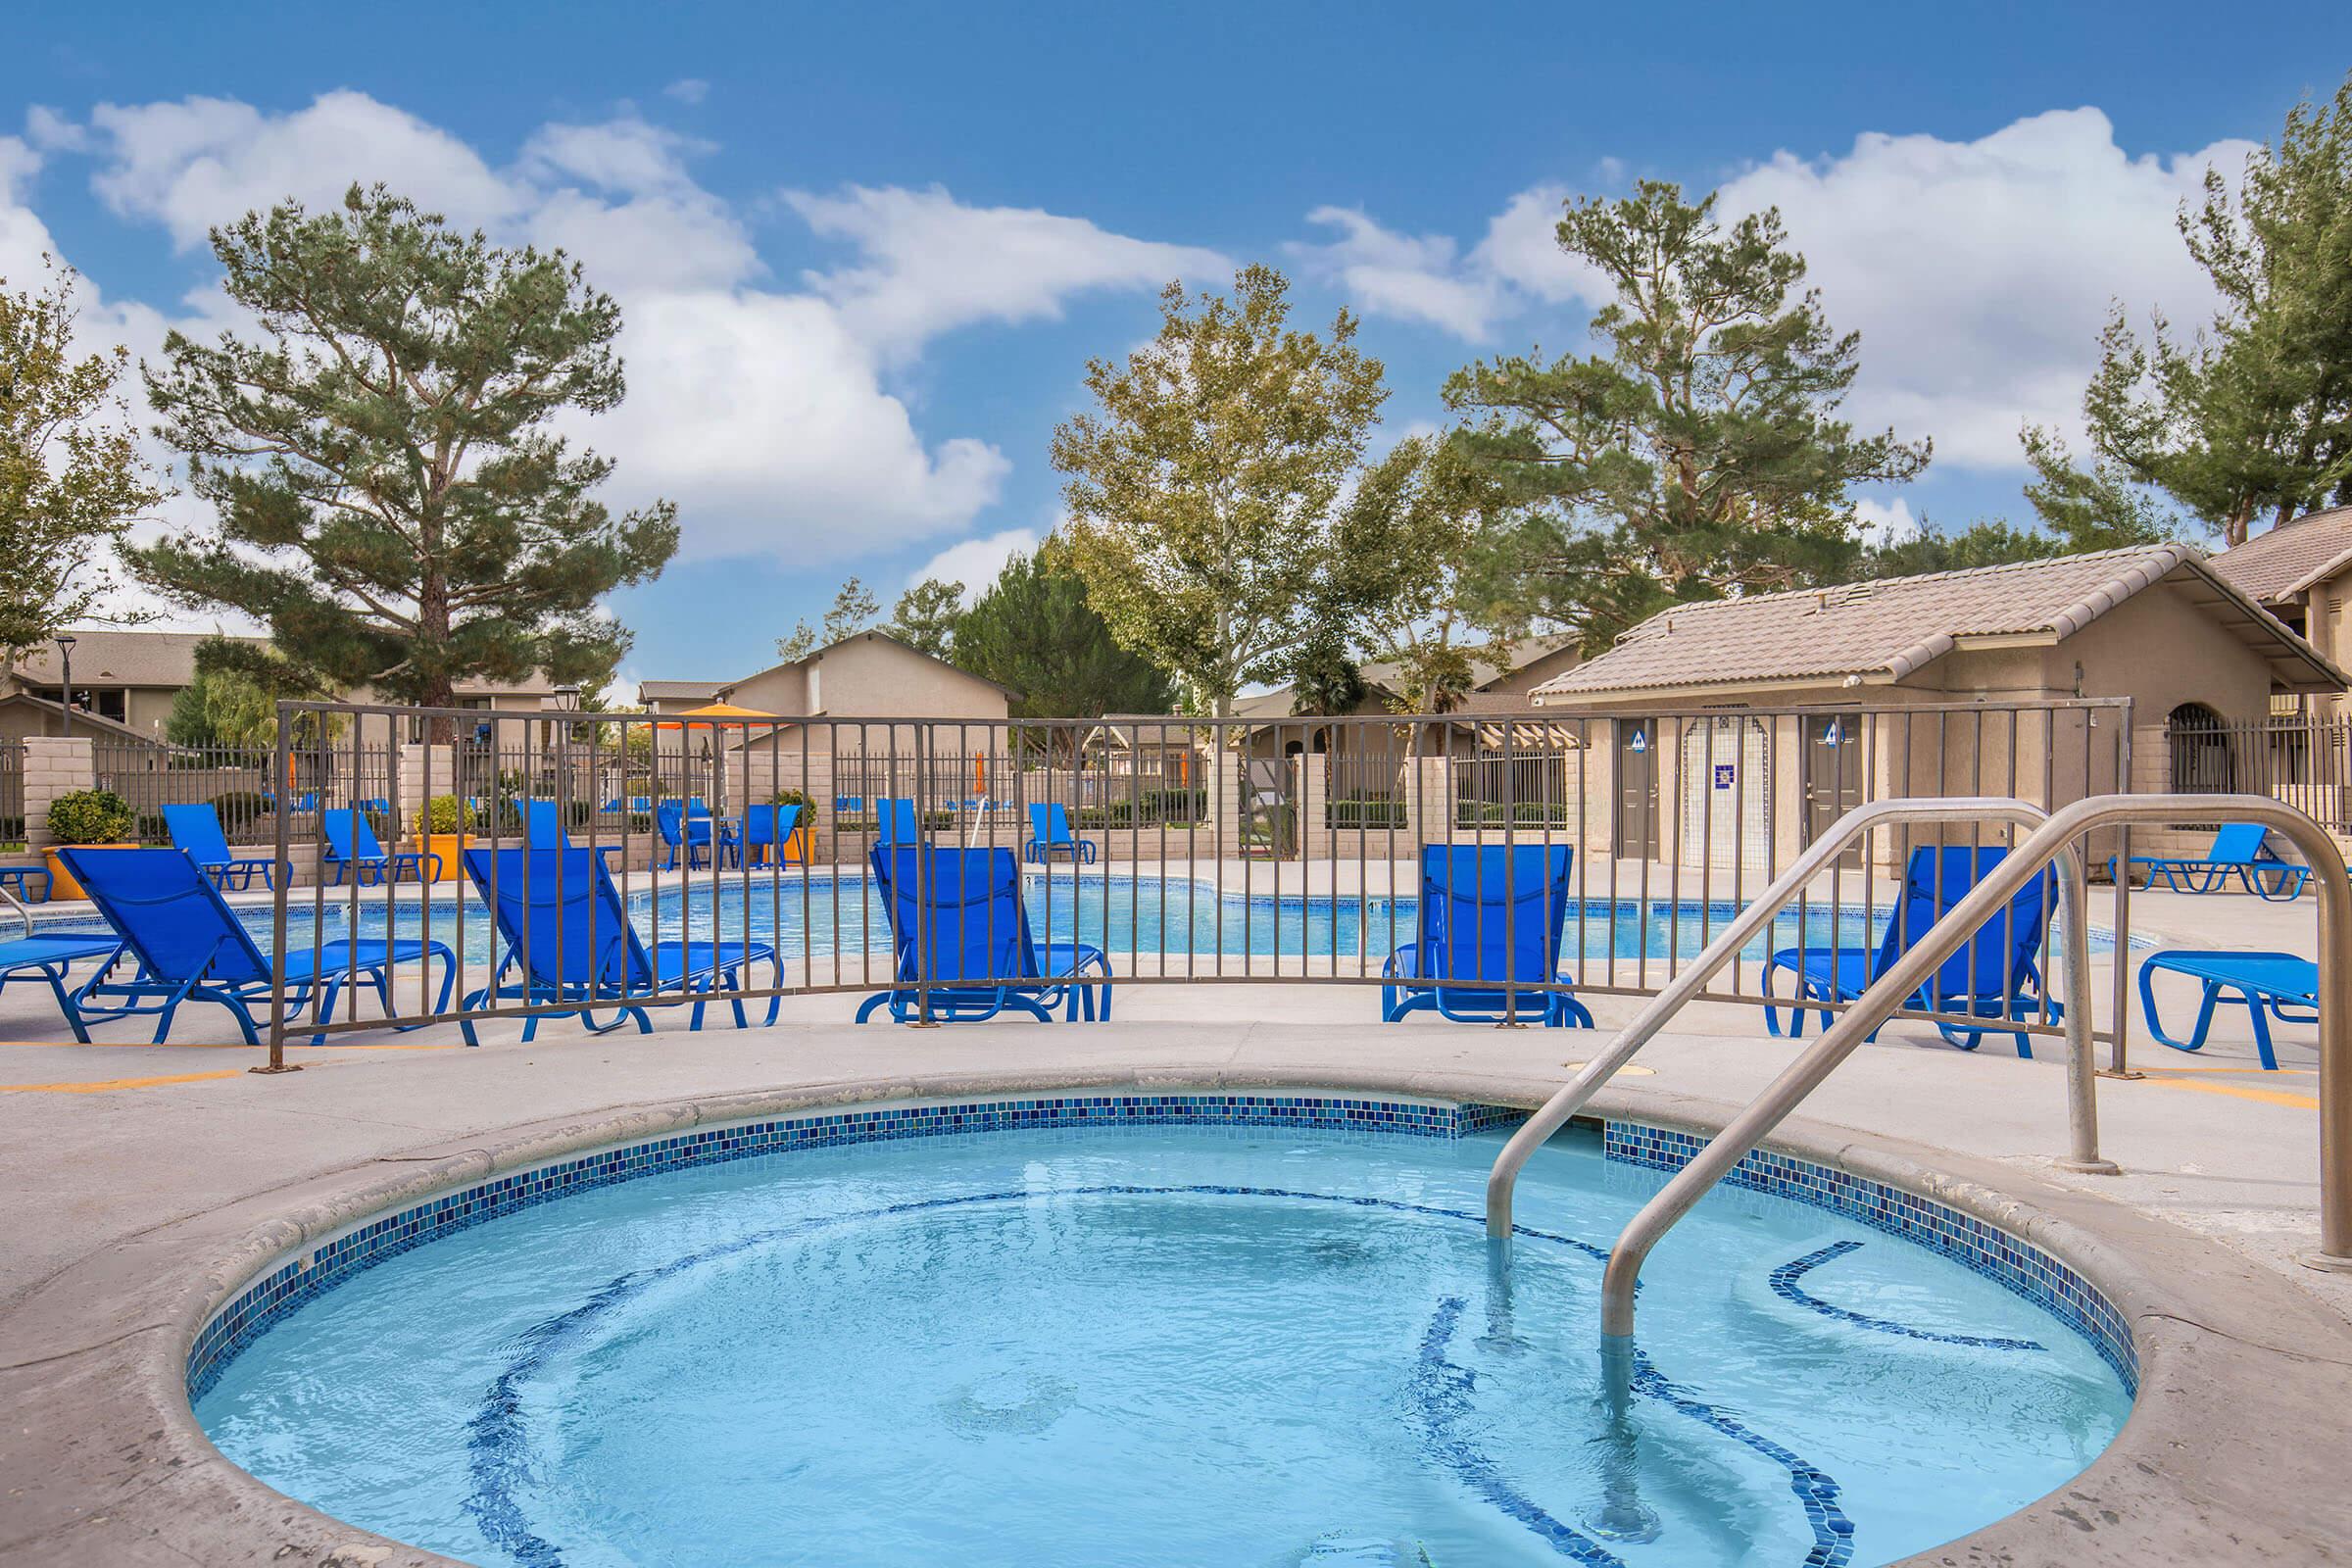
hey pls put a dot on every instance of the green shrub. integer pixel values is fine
(445, 814)
(241, 812)
(799, 798)
(91, 816)
(153, 829)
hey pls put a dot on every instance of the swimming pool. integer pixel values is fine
(1157, 1330)
(826, 915)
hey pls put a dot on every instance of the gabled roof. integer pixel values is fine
(2282, 564)
(83, 720)
(1884, 630)
(108, 657)
(875, 634)
(679, 690)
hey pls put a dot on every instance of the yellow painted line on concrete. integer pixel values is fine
(195, 1045)
(2267, 1072)
(106, 1085)
(2267, 1096)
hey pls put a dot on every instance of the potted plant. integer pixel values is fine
(800, 846)
(444, 828)
(88, 819)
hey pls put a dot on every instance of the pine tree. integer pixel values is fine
(391, 501)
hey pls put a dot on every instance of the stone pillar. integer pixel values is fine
(1311, 790)
(54, 766)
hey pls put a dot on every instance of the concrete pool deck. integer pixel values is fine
(144, 1177)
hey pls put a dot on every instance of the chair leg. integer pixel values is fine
(2262, 1031)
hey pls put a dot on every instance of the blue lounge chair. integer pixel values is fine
(2270, 983)
(1489, 912)
(1050, 835)
(543, 829)
(2241, 850)
(767, 828)
(569, 940)
(1991, 976)
(352, 846)
(197, 830)
(690, 827)
(896, 825)
(22, 876)
(50, 958)
(191, 947)
(966, 906)
(848, 805)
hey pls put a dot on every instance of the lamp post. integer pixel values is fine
(567, 701)
(64, 654)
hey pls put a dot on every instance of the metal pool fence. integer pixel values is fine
(1179, 851)
(12, 790)
(2302, 759)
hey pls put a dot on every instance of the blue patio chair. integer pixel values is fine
(50, 957)
(1489, 912)
(696, 833)
(848, 805)
(981, 957)
(570, 941)
(543, 829)
(191, 947)
(896, 823)
(1050, 835)
(2241, 850)
(352, 846)
(768, 829)
(1992, 975)
(197, 830)
(2277, 985)
(22, 876)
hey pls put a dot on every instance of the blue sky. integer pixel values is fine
(865, 251)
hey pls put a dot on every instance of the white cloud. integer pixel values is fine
(206, 160)
(1412, 277)
(976, 563)
(1886, 523)
(761, 410)
(1978, 272)
(53, 131)
(688, 91)
(931, 264)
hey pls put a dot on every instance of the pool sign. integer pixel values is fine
(1724, 772)
(1640, 741)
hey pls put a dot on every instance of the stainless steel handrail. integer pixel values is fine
(2081, 1102)
(18, 906)
(1886, 995)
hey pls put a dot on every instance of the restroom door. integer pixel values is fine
(1637, 836)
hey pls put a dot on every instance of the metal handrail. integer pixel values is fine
(17, 905)
(1886, 995)
(2081, 1102)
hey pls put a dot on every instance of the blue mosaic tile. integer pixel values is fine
(266, 1300)
(2016, 1264)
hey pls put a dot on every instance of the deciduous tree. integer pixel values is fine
(1202, 489)
(925, 615)
(70, 477)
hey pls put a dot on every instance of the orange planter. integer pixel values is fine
(61, 881)
(446, 846)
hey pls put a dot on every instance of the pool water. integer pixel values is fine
(826, 916)
(1158, 1345)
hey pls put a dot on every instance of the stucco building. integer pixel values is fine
(1804, 704)
(2301, 571)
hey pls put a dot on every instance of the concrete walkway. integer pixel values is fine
(108, 1149)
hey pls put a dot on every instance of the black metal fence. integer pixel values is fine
(2304, 761)
(245, 786)
(12, 790)
(955, 867)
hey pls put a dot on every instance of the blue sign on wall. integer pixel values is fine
(1724, 772)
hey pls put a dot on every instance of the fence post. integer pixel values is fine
(54, 766)
(1311, 780)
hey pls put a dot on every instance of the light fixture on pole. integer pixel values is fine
(65, 653)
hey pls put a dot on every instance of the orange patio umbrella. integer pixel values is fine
(711, 712)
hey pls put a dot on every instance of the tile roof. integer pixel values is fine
(2281, 563)
(107, 657)
(700, 691)
(1886, 629)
